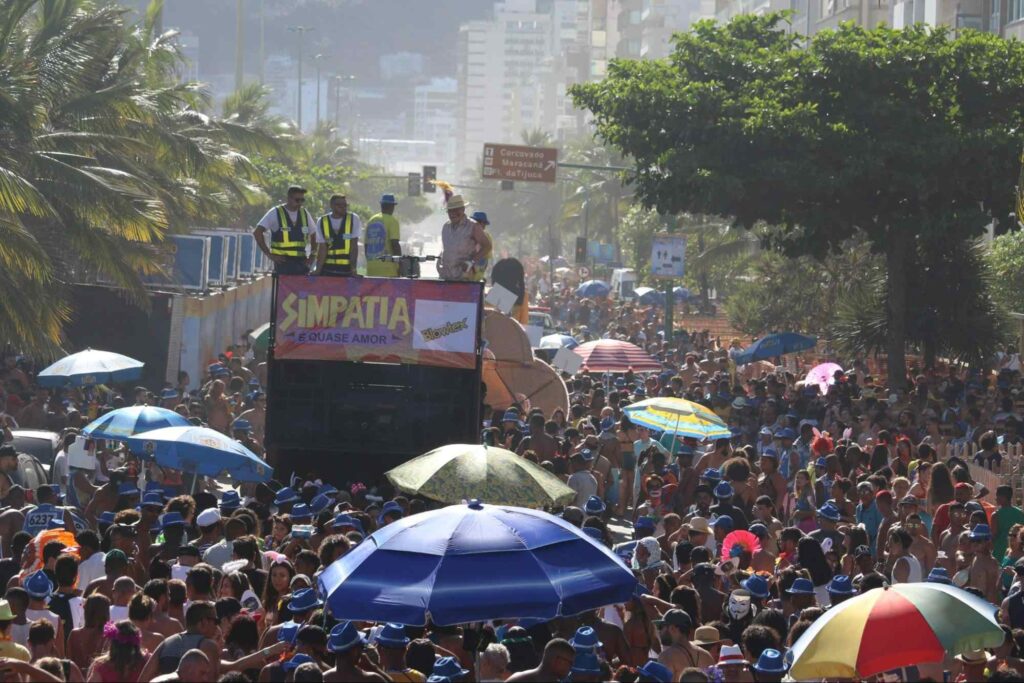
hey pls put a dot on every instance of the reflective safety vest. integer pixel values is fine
(339, 245)
(290, 240)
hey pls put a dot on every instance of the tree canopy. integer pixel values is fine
(902, 136)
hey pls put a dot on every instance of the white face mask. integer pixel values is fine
(739, 606)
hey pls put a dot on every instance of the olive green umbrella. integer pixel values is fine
(458, 472)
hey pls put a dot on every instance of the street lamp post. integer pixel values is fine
(301, 31)
(338, 80)
(317, 60)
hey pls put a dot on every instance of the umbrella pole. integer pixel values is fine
(195, 480)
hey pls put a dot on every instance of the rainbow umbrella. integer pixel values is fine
(888, 628)
(678, 416)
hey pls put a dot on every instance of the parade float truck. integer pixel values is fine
(364, 373)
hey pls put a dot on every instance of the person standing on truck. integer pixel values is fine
(291, 227)
(383, 238)
(339, 230)
(463, 241)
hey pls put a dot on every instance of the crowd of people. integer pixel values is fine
(124, 573)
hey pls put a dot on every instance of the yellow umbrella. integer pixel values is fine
(458, 472)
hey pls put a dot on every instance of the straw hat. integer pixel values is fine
(457, 201)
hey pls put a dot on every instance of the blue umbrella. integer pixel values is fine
(778, 344)
(558, 341)
(474, 562)
(593, 289)
(649, 297)
(124, 422)
(90, 367)
(681, 293)
(201, 451)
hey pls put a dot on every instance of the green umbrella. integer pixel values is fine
(260, 337)
(458, 472)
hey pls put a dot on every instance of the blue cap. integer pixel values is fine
(172, 518)
(288, 632)
(285, 495)
(480, 217)
(241, 425)
(757, 586)
(982, 532)
(586, 454)
(801, 586)
(510, 416)
(829, 511)
(296, 661)
(785, 433)
(213, 367)
(841, 585)
(319, 503)
(393, 635)
(620, 382)
(127, 488)
(711, 474)
(758, 529)
(433, 678)
(38, 585)
(168, 394)
(770, 662)
(301, 511)
(640, 391)
(654, 670)
(644, 523)
(585, 639)
(327, 490)
(230, 500)
(608, 424)
(304, 600)
(939, 575)
(343, 520)
(594, 506)
(586, 663)
(821, 462)
(152, 499)
(724, 491)
(684, 449)
(448, 667)
(344, 637)
(391, 508)
(724, 521)
(770, 453)
(388, 199)
(105, 518)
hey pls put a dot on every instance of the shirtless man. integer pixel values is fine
(555, 664)
(257, 415)
(613, 641)
(922, 548)
(985, 571)
(716, 457)
(348, 646)
(163, 623)
(949, 541)
(538, 440)
(771, 483)
(681, 654)
(218, 410)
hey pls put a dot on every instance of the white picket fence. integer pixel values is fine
(1011, 469)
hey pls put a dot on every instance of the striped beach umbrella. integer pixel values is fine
(678, 416)
(892, 627)
(612, 355)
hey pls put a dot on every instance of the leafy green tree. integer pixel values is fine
(905, 136)
(1005, 266)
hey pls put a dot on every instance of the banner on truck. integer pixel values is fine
(381, 320)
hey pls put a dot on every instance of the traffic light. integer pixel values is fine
(508, 185)
(414, 185)
(429, 176)
(581, 251)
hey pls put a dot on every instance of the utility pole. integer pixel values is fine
(317, 60)
(263, 53)
(301, 31)
(239, 46)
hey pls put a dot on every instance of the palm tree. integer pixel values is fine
(102, 154)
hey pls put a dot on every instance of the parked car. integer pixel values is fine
(36, 452)
(544, 320)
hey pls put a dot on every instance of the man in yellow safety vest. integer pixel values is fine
(339, 230)
(291, 227)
